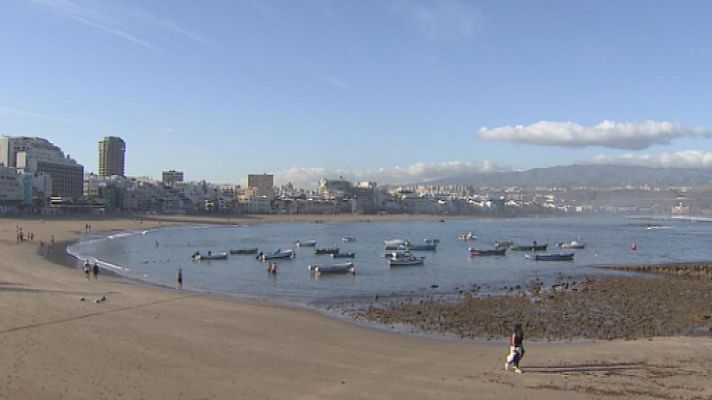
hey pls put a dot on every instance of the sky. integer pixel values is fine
(396, 91)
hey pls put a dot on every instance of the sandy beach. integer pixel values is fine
(159, 343)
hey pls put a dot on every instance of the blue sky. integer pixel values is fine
(392, 90)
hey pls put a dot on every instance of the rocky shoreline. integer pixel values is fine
(676, 301)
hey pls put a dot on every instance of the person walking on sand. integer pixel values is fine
(516, 349)
(95, 270)
(86, 269)
(179, 279)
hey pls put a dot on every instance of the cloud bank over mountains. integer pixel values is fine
(678, 159)
(414, 173)
(611, 134)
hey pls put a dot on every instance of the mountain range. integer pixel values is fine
(589, 175)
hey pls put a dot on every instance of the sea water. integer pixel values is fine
(155, 255)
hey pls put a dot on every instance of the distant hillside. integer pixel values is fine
(585, 175)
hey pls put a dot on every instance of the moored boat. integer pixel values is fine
(343, 268)
(277, 254)
(467, 236)
(551, 257)
(327, 250)
(244, 251)
(398, 254)
(531, 247)
(431, 241)
(347, 239)
(210, 256)
(395, 243)
(574, 244)
(488, 252)
(305, 243)
(394, 262)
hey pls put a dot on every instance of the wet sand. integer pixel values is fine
(158, 343)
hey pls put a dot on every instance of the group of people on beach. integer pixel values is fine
(23, 236)
(91, 269)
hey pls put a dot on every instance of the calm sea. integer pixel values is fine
(155, 255)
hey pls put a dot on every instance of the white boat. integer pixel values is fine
(276, 255)
(467, 236)
(305, 243)
(395, 243)
(399, 254)
(574, 244)
(210, 256)
(394, 262)
(342, 268)
(348, 239)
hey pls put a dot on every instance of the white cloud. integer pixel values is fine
(678, 159)
(618, 135)
(443, 20)
(133, 25)
(414, 173)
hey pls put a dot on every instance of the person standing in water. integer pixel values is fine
(179, 279)
(516, 349)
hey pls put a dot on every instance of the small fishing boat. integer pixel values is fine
(305, 243)
(399, 254)
(467, 236)
(210, 256)
(327, 250)
(343, 255)
(348, 239)
(397, 247)
(529, 247)
(395, 243)
(244, 251)
(551, 257)
(423, 247)
(395, 262)
(277, 254)
(574, 244)
(488, 252)
(343, 268)
(431, 241)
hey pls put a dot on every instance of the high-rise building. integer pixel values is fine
(172, 177)
(32, 155)
(111, 156)
(263, 184)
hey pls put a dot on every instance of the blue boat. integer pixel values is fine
(551, 257)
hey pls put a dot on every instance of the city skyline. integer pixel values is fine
(395, 91)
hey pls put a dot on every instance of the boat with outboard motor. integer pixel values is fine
(277, 254)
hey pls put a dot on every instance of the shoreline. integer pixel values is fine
(359, 310)
(161, 343)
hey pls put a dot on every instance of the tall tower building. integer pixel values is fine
(111, 156)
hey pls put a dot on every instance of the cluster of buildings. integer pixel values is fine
(37, 177)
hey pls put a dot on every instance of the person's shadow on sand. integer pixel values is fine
(600, 367)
